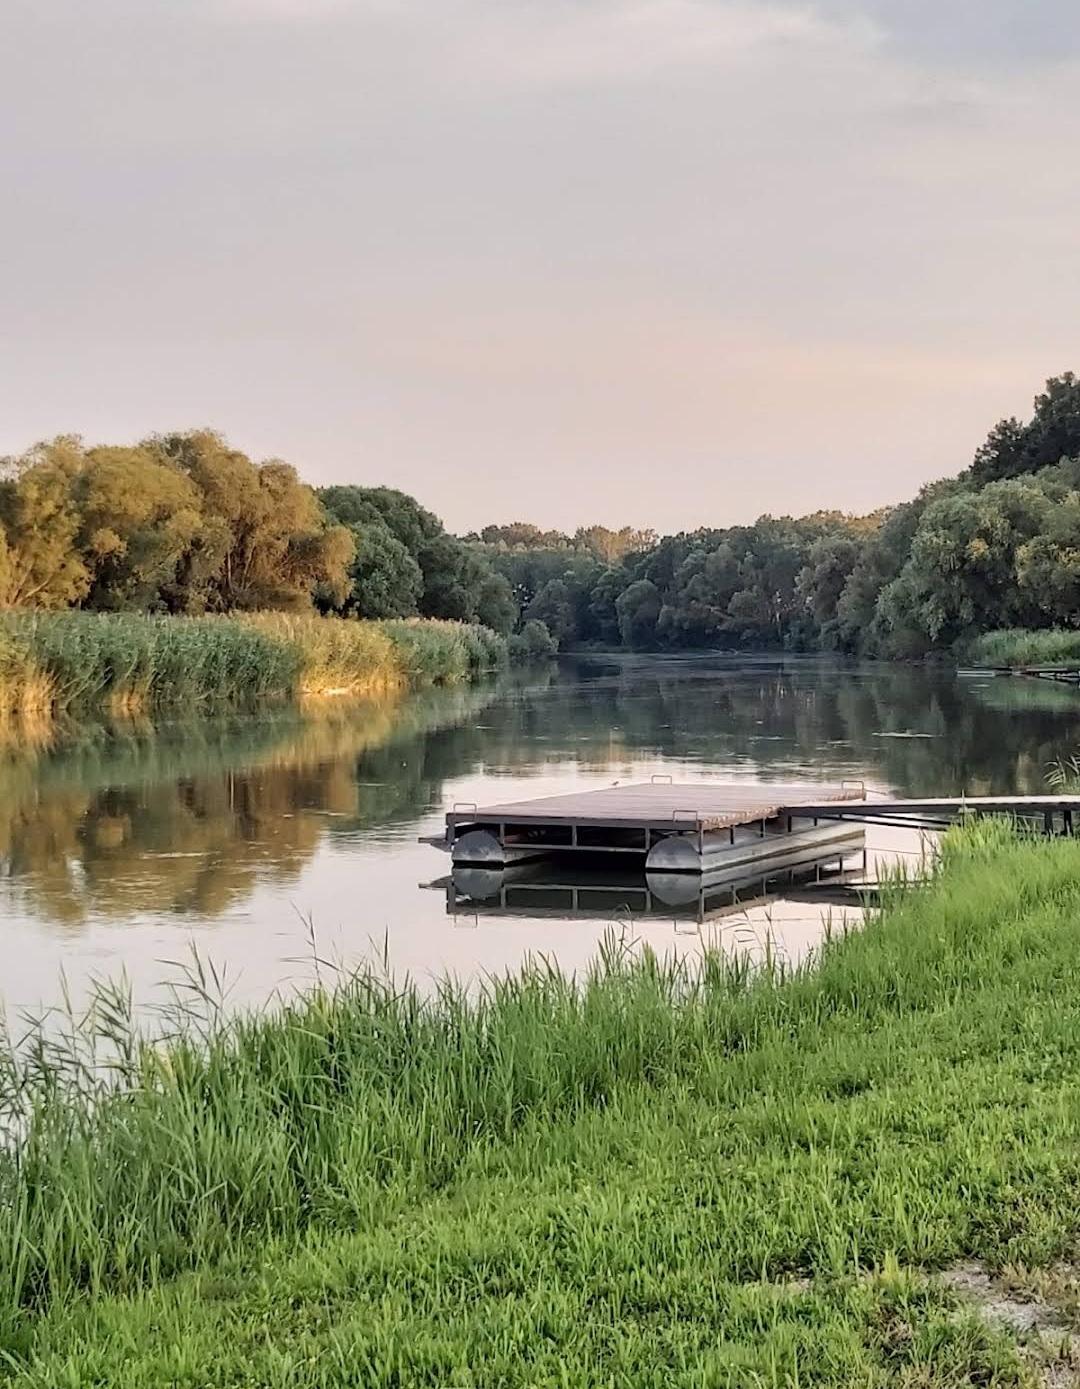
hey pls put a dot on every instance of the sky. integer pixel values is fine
(662, 263)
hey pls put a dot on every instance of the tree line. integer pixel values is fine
(183, 523)
(996, 547)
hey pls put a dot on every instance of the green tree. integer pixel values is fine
(822, 580)
(1053, 433)
(603, 619)
(493, 604)
(882, 556)
(41, 522)
(552, 607)
(696, 607)
(384, 579)
(1003, 453)
(959, 578)
(1048, 565)
(411, 523)
(520, 535)
(533, 643)
(458, 581)
(638, 609)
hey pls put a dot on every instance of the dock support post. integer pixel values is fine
(1048, 823)
(1067, 822)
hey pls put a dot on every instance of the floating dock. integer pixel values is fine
(695, 828)
(717, 828)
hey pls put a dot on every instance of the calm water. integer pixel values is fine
(244, 836)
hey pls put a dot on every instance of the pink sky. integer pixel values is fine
(657, 262)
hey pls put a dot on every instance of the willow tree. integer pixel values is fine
(265, 540)
(40, 522)
(139, 519)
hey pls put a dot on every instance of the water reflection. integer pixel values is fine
(186, 820)
(571, 890)
(123, 845)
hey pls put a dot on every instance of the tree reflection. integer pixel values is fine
(189, 819)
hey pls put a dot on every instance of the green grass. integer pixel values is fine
(1017, 647)
(657, 1176)
(72, 662)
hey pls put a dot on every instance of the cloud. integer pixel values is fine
(615, 40)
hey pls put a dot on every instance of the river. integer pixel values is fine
(262, 843)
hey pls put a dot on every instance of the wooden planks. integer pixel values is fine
(655, 805)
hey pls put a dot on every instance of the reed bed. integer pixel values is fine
(343, 656)
(655, 1174)
(1018, 647)
(69, 662)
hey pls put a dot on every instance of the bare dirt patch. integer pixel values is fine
(1040, 1308)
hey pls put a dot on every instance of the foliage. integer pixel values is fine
(638, 609)
(552, 609)
(138, 518)
(599, 541)
(86, 660)
(1018, 647)
(1053, 433)
(384, 578)
(180, 523)
(40, 523)
(266, 535)
(533, 643)
(184, 523)
(997, 547)
(693, 1173)
(408, 564)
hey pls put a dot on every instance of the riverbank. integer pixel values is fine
(657, 1178)
(55, 664)
(1018, 647)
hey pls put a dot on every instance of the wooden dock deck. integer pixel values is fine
(683, 823)
(661, 805)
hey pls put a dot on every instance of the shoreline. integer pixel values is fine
(655, 1174)
(56, 666)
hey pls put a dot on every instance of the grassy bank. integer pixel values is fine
(658, 1177)
(1016, 647)
(55, 663)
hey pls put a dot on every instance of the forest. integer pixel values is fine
(184, 524)
(996, 547)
